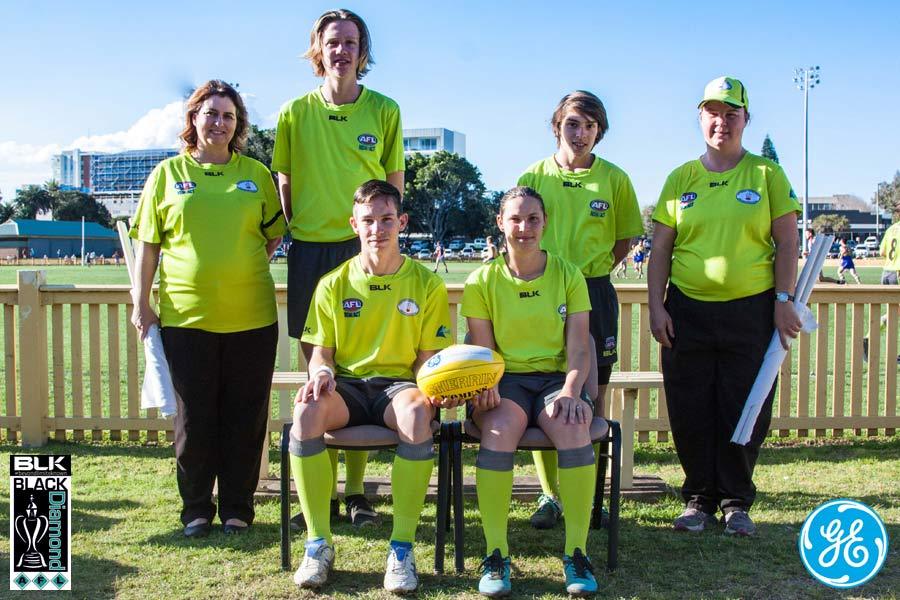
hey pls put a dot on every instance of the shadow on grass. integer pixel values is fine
(91, 577)
(98, 449)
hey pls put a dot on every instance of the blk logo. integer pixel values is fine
(339, 118)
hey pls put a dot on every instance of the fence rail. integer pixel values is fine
(72, 364)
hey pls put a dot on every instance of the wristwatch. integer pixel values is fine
(783, 297)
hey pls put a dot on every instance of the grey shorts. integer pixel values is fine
(889, 277)
(307, 262)
(366, 399)
(604, 320)
(534, 391)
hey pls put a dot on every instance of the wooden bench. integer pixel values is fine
(629, 382)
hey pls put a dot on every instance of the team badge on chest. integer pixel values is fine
(748, 196)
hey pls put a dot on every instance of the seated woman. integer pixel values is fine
(532, 307)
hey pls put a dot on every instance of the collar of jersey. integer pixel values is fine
(575, 174)
(343, 108)
(719, 174)
(194, 163)
(404, 267)
(504, 269)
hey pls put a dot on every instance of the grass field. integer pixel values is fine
(127, 542)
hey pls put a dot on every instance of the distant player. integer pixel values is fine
(637, 254)
(374, 321)
(439, 257)
(847, 264)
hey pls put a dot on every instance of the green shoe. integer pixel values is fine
(494, 581)
(547, 514)
(579, 574)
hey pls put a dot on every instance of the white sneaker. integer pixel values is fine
(318, 559)
(400, 576)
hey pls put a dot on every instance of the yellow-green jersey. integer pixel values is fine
(528, 317)
(212, 223)
(377, 324)
(723, 226)
(587, 211)
(890, 248)
(329, 150)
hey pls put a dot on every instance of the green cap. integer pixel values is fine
(728, 90)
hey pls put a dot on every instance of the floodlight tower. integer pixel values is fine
(806, 78)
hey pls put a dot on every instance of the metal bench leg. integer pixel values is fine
(612, 552)
(443, 498)
(597, 511)
(285, 499)
(458, 525)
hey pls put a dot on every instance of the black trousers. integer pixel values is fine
(223, 382)
(715, 356)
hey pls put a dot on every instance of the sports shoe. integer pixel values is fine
(400, 575)
(298, 522)
(738, 522)
(693, 519)
(547, 514)
(360, 512)
(317, 562)
(579, 574)
(494, 581)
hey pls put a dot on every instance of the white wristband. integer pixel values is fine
(325, 368)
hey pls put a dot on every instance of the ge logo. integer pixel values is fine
(843, 543)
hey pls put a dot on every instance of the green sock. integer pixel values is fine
(494, 492)
(355, 470)
(576, 489)
(545, 462)
(409, 482)
(333, 457)
(312, 476)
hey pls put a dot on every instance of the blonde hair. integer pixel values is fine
(314, 53)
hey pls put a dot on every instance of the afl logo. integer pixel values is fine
(433, 361)
(687, 199)
(599, 205)
(352, 305)
(408, 307)
(367, 141)
(747, 196)
(185, 187)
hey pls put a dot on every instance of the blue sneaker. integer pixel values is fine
(579, 574)
(494, 581)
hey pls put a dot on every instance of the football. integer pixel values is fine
(460, 372)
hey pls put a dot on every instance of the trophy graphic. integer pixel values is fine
(32, 529)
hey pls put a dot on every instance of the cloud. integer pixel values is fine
(21, 164)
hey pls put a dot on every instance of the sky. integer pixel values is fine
(110, 76)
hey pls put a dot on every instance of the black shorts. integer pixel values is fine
(604, 321)
(307, 262)
(366, 399)
(534, 391)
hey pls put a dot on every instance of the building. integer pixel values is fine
(859, 213)
(117, 179)
(114, 179)
(429, 141)
(24, 238)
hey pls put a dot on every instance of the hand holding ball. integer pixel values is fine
(460, 372)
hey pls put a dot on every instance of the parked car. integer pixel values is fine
(479, 244)
(834, 251)
(863, 251)
(423, 255)
(456, 245)
(450, 255)
(467, 253)
(417, 246)
(279, 253)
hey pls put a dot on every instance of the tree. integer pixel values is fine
(441, 187)
(768, 150)
(260, 143)
(7, 211)
(888, 195)
(835, 223)
(72, 205)
(647, 219)
(32, 199)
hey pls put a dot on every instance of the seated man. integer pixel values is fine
(374, 320)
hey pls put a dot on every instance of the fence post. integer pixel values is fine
(34, 383)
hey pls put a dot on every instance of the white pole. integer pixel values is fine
(82, 241)
(805, 158)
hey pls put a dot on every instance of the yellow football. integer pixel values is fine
(460, 372)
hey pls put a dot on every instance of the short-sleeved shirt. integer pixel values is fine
(528, 317)
(890, 248)
(329, 150)
(587, 211)
(377, 324)
(723, 226)
(212, 222)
